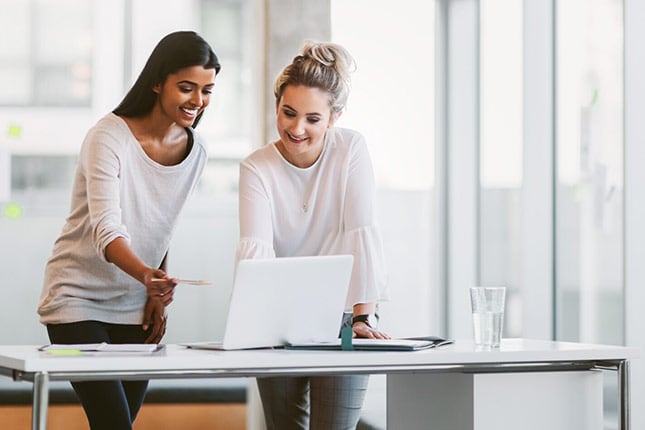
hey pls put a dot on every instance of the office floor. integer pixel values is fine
(230, 416)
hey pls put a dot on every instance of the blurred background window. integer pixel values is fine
(500, 153)
(46, 57)
(590, 142)
(589, 217)
(392, 103)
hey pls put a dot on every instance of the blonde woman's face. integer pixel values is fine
(303, 116)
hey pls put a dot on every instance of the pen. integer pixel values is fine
(186, 281)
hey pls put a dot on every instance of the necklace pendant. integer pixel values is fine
(305, 208)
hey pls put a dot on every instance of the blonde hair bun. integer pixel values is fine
(322, 65)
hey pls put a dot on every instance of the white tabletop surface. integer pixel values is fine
(27, 358)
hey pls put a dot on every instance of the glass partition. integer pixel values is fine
(589, 218)
(589, 184)
(392, 104)
(500, 153)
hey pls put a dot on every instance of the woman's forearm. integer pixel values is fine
(364, 309)
(119, 253)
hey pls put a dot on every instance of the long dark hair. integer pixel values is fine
(175, 51)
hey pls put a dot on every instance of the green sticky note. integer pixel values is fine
(65, 352)
(12, 211)
(14, 130)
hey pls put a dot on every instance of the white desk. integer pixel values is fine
(455, 362)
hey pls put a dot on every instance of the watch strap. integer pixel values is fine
(364, 318)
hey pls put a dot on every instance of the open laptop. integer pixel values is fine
(280, 301)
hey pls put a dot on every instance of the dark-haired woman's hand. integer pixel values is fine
(159, 284)
(155, 319)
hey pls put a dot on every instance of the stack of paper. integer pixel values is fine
(102, 347)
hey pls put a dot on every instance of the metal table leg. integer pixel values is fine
(623, 394)
(40, 401)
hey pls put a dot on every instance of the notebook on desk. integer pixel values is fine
(279, 301)
(360, 344)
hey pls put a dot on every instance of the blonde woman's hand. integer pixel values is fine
(361, 329)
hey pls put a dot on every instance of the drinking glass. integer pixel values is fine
(487, 305)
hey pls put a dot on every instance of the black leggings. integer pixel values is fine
(109, 405)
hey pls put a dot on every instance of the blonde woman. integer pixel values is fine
(312, 192)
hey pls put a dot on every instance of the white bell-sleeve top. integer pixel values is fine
(325, 209)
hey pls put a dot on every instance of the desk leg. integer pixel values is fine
(40, 401)
(623, 392)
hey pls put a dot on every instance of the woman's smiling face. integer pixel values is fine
(185, 94)
(303, 116)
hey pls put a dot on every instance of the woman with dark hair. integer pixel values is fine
(175, 51)
(105, 280)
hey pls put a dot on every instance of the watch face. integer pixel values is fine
(372, 320)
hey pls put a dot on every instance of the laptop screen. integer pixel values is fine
(287, 300)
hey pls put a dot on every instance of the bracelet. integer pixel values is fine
(364, 318)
